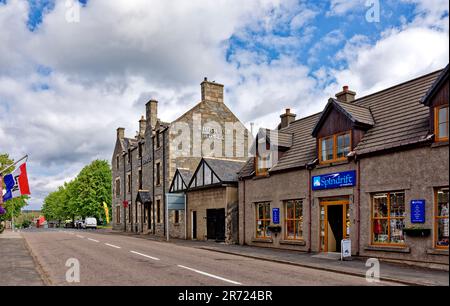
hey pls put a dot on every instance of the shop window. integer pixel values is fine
(263, 220)
(441, 123)
(441, 218)
(334, 148)
(293, 220)
(388, 218)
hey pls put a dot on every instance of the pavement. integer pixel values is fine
(17, 266)
(105, 258)
(393, 272)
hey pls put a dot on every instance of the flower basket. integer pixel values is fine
(276, 229)
(417, 232)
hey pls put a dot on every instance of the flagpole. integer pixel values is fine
(13, 164)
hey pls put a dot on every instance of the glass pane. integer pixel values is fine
(267, 211)
(380, 206)
(298, 228)
(442, 203)
(443, 130)
(442, 232)
(443, 115)
(290, 230)
(298, 209)
(260, 229)
(266, 228)
(380, 231)
(322, 228)
(260, 209)
(397, 204)
(290, 210)
(397, 226)
(324, 149)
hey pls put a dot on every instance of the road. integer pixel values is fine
(107, 259)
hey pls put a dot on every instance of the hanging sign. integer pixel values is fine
(418, 211)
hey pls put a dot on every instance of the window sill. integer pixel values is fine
(437, 252)
(393, 249)
(262, 240)
(293, 242)
(439, 144)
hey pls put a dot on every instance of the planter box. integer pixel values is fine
(417, 232)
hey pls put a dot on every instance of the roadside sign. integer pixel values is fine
(346, 248)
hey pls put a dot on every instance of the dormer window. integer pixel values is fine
(335, 148)
(441, 123)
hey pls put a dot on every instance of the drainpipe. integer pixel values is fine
(130, 157)
(358, 220)
(124, 196)
(243, 212)
(166, 224)
(309, 211)
(153, 185)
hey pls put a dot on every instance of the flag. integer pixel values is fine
(16, 183)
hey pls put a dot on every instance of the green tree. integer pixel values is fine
(14, 206)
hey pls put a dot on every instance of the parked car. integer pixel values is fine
(90, 223)
(79, 224)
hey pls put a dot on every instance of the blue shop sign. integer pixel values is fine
(334, 180)
(418, 211)
(276, 215)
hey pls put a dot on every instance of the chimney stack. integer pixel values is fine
(142, 126)
(151, 113)
(212, 91)
(120, 133)
(346, 95)
(287, 118)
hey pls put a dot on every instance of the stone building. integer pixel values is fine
(143, 167)
(373, 170)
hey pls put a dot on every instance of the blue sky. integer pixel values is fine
(66, 85)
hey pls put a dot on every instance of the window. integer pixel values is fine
(334, 148)
(293, 219)
(117, 162)
(117, 187)
(158, 174)
(117, 214)
(129, 183)
(140, 150)
(129, 158)
(388, 218)
(262, 220)
(441, 123)
(441, 218)
(140, 179)
(158, 211)
(176, 217)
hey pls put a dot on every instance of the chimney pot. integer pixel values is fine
(142, 126)
(120, 133)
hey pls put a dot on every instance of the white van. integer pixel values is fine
(90, 223)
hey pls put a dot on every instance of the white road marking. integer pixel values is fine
(93, 240)
(82, 237)
(113, 246)
(151, 257)
(210, 275)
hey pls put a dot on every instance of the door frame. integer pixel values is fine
(325, 203)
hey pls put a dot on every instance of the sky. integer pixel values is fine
(72, 72)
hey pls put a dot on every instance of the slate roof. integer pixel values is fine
(227, 170)
(186, 175)
(399, 119)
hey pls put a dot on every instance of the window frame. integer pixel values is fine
(158, 174)
(129, 182)
(388, 218)
(437, 218)
(437, 123)
(264, 219)
(294, 219)
(335, 147)
(117, 187)
(118, 221)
